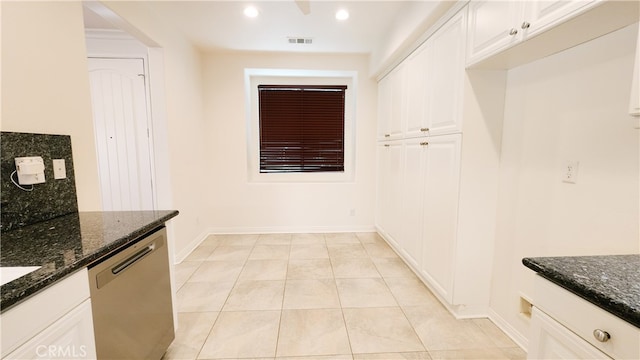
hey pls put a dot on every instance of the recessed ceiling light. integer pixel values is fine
(251, 11)
(342, 14)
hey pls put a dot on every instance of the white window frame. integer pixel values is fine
(255, 77)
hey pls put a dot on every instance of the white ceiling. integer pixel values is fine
(221, 25)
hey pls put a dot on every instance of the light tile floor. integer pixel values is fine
(317, 296)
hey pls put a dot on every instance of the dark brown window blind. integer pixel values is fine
(301, 128)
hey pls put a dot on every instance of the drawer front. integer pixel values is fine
(582, 317)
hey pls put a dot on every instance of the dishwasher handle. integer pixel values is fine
(113, 267)
(132, 260)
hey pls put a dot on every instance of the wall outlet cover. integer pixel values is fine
(570, 171)
(59, 169)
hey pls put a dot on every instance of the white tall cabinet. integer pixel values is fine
(430, 173)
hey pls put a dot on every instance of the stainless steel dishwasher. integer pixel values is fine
(131, 301)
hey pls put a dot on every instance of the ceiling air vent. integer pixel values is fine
(296, 40)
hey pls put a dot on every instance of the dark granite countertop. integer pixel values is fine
(68, 243)
(611, 282)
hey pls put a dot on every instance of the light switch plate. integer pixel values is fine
(59, 169)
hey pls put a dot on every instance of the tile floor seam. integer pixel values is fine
(344, 320)
(284, 293)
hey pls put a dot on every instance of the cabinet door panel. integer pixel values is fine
(69, 337)
(398, 101)
(446, 77)
(489, 26)
(384, 106)
(442, 169)
(415, 154)
(417, 94)
(544, 14)
(389, 188)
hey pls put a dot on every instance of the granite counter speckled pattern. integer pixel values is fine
(55, 197)
(68, 243)
(611, 282)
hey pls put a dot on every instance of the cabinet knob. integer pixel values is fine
(386, 145)
(424, 129)
(513, 31)
(387, 135)
(424, 143)
(601, 335)
(525, 25)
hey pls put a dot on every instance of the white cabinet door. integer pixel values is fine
(418, 81)
(492, 27)
(446, 76)
(398, 102)
(389, 187)
(541, 15)
(384, 106)
(442, 178)
(414, 156)
(550, 340)
(71, 337)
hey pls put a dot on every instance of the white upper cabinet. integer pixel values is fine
(417, 99)
(433, 78)
(392, 104)
(446, 77)
(384, 106)
(542, 15)
(492, 27)
(495, 26)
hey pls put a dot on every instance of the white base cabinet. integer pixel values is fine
(71, 337)
(53, 324)
(563, 326)
(550, 340)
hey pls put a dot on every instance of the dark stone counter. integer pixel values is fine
(69, 243)
(611, 282)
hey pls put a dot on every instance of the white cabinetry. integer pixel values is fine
(444, 181)
(392, 104)
(550, 340)
(56, 323)
(440, 216)
(492, 27)
(563, 326)
(390, 177)
(497, 25)
(435, 76)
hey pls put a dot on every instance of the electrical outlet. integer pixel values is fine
(570, 171)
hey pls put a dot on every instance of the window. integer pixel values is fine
(302, 128)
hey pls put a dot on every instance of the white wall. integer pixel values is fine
(45, 83)
(570, 106)
(239, 205)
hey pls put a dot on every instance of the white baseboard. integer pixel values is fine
(511, 332)
(184, 252)
(290, 229)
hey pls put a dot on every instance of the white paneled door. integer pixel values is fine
(120, 116)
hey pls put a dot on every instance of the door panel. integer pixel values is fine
(122, 136)
(442, 174)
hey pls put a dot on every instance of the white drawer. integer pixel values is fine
(582, 317)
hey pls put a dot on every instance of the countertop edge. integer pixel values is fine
(23, 293)
(608, 304)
